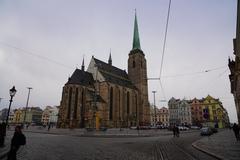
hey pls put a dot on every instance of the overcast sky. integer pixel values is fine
(42, 42)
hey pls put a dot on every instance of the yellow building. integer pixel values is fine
(18, 114)
(217, 115)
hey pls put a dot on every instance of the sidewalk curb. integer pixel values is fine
(102, 135)
(4, 154)
(194, 145)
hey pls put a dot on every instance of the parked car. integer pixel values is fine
(195, 127)
(206, 131)
(183, 128)
(133, 127)
(144, 127)
(214, 130)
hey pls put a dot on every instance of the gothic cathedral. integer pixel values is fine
(106, 96)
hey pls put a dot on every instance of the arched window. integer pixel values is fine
(82, 110)
(111, 105)
(69, 103)
(119, 103)
(133, 63)
(136, 109)
(75, 104)
(128, 103)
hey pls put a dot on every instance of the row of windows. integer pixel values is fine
(119, 98)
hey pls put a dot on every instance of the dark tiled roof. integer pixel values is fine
(113, 74)
(81, 77)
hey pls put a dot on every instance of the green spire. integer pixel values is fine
(136, 40)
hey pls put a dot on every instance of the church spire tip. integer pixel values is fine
(110, 58)
(136, 39)
(83, 66)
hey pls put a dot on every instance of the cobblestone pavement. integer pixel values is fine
(222, 145)
(61, 147)
(114, 132)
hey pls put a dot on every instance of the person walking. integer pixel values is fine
(49, 126)
(174, 131)
(2, 134)
(17, 140)
(177, 131)
(236, 131)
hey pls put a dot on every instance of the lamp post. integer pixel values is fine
(12, 93)
(155, 116)
(29, 88)
(1, 99)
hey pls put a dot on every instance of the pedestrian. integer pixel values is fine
(17, 140)
(236, 131)
(49, 126)
(177, 131)
(174, 131)
(2, 134)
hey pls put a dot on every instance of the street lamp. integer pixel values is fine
(29, 88)
(155, 116)
(12, 93)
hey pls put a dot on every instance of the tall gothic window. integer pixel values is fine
(82, 110)
(111, 105)
(136, 109)
(128, 103)
(119, 102)
(69, 103)
(76, 104)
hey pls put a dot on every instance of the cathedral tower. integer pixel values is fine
(137, 72)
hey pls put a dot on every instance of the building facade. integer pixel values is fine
(200, 112)
(32, 115)
(173, 106)
(18, 116)
(234, 66)
(163, 116)
(209, 111)
(106, 96)
(185, 116)
(3, 114)
(215, 111)
(50, 115)
(197, 112)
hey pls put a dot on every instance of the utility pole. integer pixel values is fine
(0, 100)
(155, 115)
(29, 89)
(0, 106)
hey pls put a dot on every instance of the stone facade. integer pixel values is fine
(234, 66)
(137, 72)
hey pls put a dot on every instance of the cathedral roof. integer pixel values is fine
(81, 77)
(113, 74)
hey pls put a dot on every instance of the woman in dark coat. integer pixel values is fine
(17, 140)
(236, 131)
